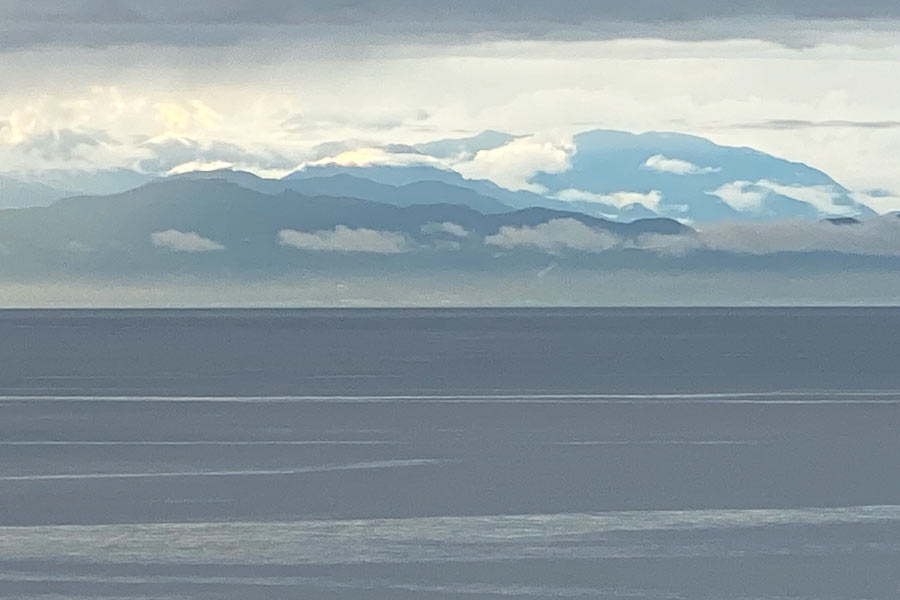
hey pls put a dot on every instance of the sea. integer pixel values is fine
(627, 454)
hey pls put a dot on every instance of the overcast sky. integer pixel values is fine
(261, 84)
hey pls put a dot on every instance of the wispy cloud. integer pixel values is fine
(546, 270)
(880, 201)
(651, 199)
(380, 156)
(454, 229)
(822, 197)
(750, 197)
(676, 166)
(876, 237)
(62, 144)
(742, 196)
(345, 239)
(184, 241)
(553, 237)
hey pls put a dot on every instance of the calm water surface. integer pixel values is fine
(659, 454)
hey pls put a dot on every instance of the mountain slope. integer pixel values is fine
(405, 175)
(351, 186)
(215, 226)
(696, 179)
(21, 194)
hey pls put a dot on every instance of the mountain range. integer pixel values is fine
(214, 223)
(388, 219)
(614, 175)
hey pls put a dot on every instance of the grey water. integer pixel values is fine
(393, 454)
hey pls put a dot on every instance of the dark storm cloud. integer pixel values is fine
(480, 13)
(25, 23)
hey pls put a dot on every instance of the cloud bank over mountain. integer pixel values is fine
(161, 87)
(524, 146)
(181, 241)
(206, 231)
(345, 239)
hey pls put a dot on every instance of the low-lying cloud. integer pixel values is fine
(880, 201)
(676, 166)
(822, 197)
(447, 227)
(184, 241)
(750, 197)
(345, 239)
(621, 199)
(876, 237)
(554, 237)
(742, 196)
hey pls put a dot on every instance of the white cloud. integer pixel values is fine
(554, 236)
(369, 156)
(822, 197)
(676, 166)
(737, 195)
(875, 237)
(651, 199)
(880, 202)
(195, 166)
(712, 89)
(748, 197)
(345, 239)
(667, 245)
(514, 164)
(184, 241)
(454, 229)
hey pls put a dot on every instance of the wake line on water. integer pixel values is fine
(362, 466)
(291, 581)
(419, 539)
(189, 443)
(779, 397)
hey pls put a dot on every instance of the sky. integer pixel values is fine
(269, 85)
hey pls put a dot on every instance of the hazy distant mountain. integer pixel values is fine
(405, 175)
(419, 192)
(218, 227)
(623, 176)
(109, 181)
(612, 175)
(180, 233)
(19, 194)
(250, 181)
(349, 186)
(688, 177)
